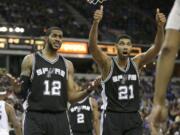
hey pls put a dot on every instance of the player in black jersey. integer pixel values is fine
(120, 79)
(84, 117)
(48, 78)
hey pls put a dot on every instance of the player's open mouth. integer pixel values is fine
(57, 45)
(125, 53)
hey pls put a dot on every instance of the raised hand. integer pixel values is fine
(98, 14)
(160, 18)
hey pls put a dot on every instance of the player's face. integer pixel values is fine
(124, 47)
(55, 39)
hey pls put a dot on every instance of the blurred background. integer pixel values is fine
(22, 27)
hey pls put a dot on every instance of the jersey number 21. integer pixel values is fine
(125, 92)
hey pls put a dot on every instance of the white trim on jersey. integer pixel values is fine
(136, 68)
(120, 68)
(110, 73)
(33, 67)
(23, 121)
(90, 102)
(68, 105)
(50, 61)
(64, 59)
(104, 97)
(81, 101)
(102, 122)
(70, 130)
(25, 104)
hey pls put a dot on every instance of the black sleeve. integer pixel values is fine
(24, 86)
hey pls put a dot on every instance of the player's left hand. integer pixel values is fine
(158, 115)
(94, 84)
(15, 82)
(160, 18)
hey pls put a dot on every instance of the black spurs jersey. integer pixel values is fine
(80, 115)
(48, 91)
(121, 88)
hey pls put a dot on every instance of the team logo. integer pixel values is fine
(124, 79)
(50, 72)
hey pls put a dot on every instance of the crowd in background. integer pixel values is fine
(171, 127)
(36, 16)
(136, 18)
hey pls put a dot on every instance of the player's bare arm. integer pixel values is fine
(26, 68)
(164, 72)
(103, 60)
(167, 57)
(96, 116)
(152, 52)
(75, 92)
(12, 118)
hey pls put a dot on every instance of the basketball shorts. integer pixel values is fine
(37, 123)
(114, 123)
(173, 21)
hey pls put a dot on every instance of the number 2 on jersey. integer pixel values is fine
(52, 88)
(125, 92)
(80, 118)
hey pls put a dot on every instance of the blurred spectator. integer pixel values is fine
(135, 18)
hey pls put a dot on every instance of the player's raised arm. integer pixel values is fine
(75, 92)
(99, 56)
(152, 52)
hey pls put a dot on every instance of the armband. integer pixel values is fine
(25, 84)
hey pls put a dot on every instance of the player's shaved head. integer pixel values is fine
(49, 30)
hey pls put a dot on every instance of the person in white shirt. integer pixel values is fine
(7, 113)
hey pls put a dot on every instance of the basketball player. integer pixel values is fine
(120, 79)
(165, 65)
(84, 117)
(48, 77)
(7, 114)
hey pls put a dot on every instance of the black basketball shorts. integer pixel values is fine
(38, 123)
(114, 123)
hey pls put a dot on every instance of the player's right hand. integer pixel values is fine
(160, 18)
(98, 14)
(158, 115)
(15, 82)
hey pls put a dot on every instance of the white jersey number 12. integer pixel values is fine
(53, 88)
